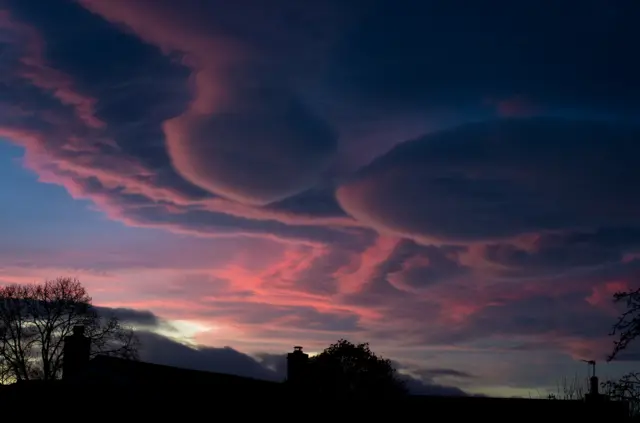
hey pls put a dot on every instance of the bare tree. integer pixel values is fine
(5, 374)
(626, 329)
(35, 319)
(627, 388)
(568, 389)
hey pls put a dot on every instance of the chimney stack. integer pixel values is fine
(77, 349)
(593, 386)
(297, 366)
(594, 396)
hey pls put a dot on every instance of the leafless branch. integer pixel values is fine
(627, 328)
(35, 319)
(569, 389)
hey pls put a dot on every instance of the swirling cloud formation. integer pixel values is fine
(433, 176)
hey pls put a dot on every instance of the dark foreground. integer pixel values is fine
(129, 402)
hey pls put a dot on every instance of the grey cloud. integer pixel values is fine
(499, 179)
(124, 164)
(457, 185)
(420, 387)
(557, 253)
(162, 350)
(433, 265)
(567, 312)
(428, 375)
(131, 316)
(399, 290)
(431, 373)
(416, 385)
(297, 317)
(318, 201)
(197, 220)
(269, 150)
(487, 181)
(274, 362)
(533, 323)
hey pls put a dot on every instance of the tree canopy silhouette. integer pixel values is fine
(347, 370)
(34, 319)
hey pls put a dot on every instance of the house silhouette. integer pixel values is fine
(137, 385)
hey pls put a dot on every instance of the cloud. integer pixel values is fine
(159, 349)
(254, 303)
(419, 387)
(260, 154)
(131, 316)
(432, 186)
(572, 314)
(234, 72)
(433, 373)
(501, 179)
(123, 164)
(422, 381)
(439, 58)
(295, 318)
(563, 252)
(162, 350)
(245, 135)
(412, 267)
(416, 384)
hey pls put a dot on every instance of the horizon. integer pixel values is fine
(455, 185)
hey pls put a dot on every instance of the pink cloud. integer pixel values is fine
(34, 68)
(77, 153)
(281, 287)
(224, 291)
(131, 177)
(586, 349)
(230, 124)
(602, 295)
(362, 268)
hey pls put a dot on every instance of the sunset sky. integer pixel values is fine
(455, 182)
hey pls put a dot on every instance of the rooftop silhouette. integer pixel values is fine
(133, 382)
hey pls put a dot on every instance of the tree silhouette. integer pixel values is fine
(347, 370)
(626, 329)
(34, 319)
(568, 389)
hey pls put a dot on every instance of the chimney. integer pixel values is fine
(593, 386)
(594, 396)
(297, 366)
(77, 349)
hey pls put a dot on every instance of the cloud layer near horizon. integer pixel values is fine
(324, 171)
(165, 349)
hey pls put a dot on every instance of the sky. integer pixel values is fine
(455, 182)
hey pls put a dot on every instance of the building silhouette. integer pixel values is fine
(140, 385)
(76, 353)
(297, 362)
